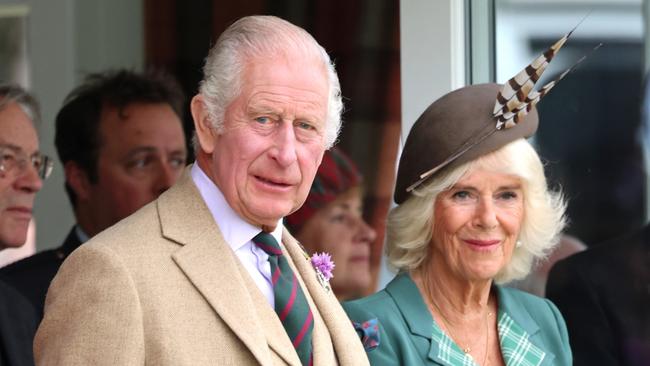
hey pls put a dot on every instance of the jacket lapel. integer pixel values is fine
(339, 330)
(408, 299)
(209, 263)
(523, 321)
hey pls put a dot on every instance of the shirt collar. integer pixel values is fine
(235, 230)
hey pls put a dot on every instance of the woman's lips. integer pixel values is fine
(482, 243)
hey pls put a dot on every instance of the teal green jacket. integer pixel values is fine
(406, 325)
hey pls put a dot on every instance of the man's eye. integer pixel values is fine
(305, 125)
(263, 120)
(7, 158)
(508, 195)
(177, 162)
(138, 163)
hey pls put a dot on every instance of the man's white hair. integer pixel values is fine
(260, 37)
(10, 93)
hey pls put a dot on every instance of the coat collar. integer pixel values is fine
(211, 266)
(409, 301)
(414, 311)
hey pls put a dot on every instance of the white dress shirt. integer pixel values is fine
(238, 233)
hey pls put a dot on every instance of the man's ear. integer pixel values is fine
(202, 124)
(77, 179)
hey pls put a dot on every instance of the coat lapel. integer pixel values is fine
(209, 263)
(524, 320)
(408, 299)
(339, 331)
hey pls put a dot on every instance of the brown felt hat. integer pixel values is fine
(474, 121)
(457, 128)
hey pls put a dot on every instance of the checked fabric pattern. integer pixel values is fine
(290, 302)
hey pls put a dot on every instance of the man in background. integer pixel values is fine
(22, 170)
(120, 139)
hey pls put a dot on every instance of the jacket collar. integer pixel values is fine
(416, 314)
(212, 267)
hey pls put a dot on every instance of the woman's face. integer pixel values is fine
(477, 223)
(339, 229)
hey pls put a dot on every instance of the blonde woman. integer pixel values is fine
(474, 212)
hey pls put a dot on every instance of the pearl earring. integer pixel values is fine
(518, 243)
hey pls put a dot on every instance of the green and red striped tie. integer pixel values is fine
(290, 302)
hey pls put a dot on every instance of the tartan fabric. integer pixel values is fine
(336, 174)
(515, 346)
(448, 350)
(290, 302)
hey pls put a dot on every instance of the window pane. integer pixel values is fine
(590, 123)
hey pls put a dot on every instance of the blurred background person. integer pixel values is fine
(22, 170)
(11, 255)
(604, 292)
(474, 212)
(331, 221)
(604, 295)
(535, 282)
(120, 139)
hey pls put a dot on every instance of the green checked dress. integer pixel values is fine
(531, 329)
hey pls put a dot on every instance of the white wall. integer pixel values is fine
(432, 41)
(67, 39)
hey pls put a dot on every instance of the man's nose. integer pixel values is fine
(167, 176)
(284, 148)
(28, 179)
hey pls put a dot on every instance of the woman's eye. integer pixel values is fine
(461, 195)
(337, 218)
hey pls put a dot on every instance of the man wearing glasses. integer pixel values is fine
(120, 139)
(22, 170)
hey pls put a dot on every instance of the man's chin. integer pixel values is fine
(12, 242)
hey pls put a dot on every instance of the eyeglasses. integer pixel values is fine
(12, 158)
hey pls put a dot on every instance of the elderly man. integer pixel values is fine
(22, 170)
(207, 275)
(120, 138)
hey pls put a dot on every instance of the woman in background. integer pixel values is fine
(331, 221)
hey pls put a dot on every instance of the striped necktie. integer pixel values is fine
(290, 302)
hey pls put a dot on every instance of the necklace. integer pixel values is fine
(467, 349)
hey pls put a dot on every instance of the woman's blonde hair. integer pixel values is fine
(410, 225)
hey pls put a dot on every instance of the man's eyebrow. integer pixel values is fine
(141, 149)
(262, 108)
(11, 147)
(17, 149)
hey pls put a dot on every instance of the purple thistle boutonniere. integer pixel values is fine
(324, 266)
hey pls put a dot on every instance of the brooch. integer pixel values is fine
(324, 266)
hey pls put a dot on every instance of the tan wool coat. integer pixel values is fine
(163, 288)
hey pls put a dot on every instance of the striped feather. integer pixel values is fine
(513, 115)
(517, 90)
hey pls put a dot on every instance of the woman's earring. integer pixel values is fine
(518, 243)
